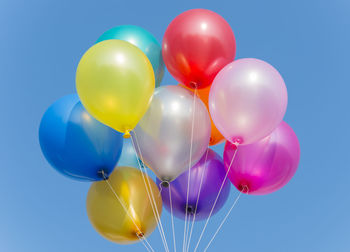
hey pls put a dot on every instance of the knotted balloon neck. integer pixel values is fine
(164, 184)
(127, 134)
(237, 141)
(103, 174)
(140, 234)
(244, 188)
(193, 85)
(190, 210)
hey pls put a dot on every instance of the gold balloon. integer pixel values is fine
(108, 215)
(115, 82)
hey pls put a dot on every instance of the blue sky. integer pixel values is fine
(307, 41)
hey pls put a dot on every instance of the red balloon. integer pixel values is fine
(196, 46)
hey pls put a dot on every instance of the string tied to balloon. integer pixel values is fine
(235, 144)
(103, 173)
(149, 194)
(138, 230)
(127, 134)
(245, 189)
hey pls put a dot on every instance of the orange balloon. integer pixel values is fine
(203, 94)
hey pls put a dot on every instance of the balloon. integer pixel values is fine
(196, 46)
(115, 83)
(203, 94)
(129, 156)
(75, 144)
(264, 166)
(164, 133)
(108, 216)
(213, 172)
(247, 100)
(144, 40)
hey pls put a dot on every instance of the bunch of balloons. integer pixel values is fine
(122, 123)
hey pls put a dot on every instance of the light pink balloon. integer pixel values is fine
(264, 166)
(247, 100)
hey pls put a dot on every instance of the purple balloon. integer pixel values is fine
(213, 173)
(264, 166)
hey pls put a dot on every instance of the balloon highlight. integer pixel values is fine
(107, 215)
(247, 100)
(142, 39)
(164, 134)
(115, 83)
(206, 179)
(76, 144)
(264, 166)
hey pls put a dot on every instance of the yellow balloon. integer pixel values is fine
(107, 214)
(115, 82)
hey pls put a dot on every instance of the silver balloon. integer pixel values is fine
(164, 133)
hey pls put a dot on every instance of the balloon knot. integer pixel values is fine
(103, 174)
(193, 85)
(190, 210)
(127, 134)
(164, 184)
(243, 188)
(237, 141)
(140, 234)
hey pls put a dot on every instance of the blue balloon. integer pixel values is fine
(144, 40)
(75, 143)
(129, 156)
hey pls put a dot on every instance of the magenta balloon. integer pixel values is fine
(247, 100)
(265, 166)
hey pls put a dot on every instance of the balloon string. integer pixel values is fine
(224, 220)
(172, 217)
(199, 193)
(217, 197)
(140, 237)
(146, 245)
(187, 230)
(155, 210)
(189, 168)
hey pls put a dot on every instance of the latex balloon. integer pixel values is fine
(75, 144)
(164, 133)
(203, 94)
(267, 165)
(115, 83)
(247, 100)
(107, 214)
(144, 40)
(129, 156)
(211, 172)
(197, 44)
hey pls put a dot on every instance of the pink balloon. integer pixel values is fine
(264, 166)
(247, 100)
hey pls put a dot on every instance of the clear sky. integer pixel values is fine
(41, 43)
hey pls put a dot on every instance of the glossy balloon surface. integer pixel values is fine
(267, 165)
(164, 133)
(247, 100)
(211, 172)
(129, 156)
(144, 40)
(115, 83)
(197, 44)
(76, 144)
(203, 94)
(108, 216)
